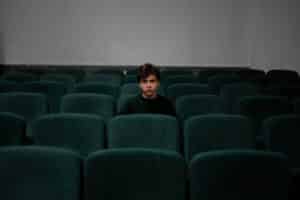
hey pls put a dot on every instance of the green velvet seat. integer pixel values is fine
(67, 79)
(134, 174)
(8, 86)
(237, 175)
(27, 105)
(122, 101)
(107, 78)
(282, 135)
(260, 107)
(296, 105)
(231, 93)
(217, 81)
(53, 90)
(82, 133)
(97, 88)
(175, 91)
(19, 76)
(143, 130)
(217, 132)
(191, 105)
(282, 77)
(170, 80)
(35, 173)
(12, 129)
(89, 103)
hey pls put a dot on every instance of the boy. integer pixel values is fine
(149, 101)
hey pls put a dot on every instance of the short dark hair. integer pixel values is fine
(146, 70)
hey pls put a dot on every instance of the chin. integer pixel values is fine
(149, 95)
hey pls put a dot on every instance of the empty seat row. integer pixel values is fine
(48, 173)
(86, 133)
(274, 76)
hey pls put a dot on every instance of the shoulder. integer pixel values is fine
(163, 99)
(167, 106)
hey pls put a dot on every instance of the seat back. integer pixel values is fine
(82, 133)
(12, 129)
(102, 105)
(134, 174)
(27, 105)
(143, 130)
(239, 175)
(217, 132)
(37, 173)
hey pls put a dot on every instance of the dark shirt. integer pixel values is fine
(139, 104)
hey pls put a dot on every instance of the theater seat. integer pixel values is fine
(83, 133)
(35, 173)
(134, 174)
(237, 175)
(143, 130)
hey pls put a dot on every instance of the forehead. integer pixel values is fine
(150, 77)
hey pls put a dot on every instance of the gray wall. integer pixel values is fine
(168, 32)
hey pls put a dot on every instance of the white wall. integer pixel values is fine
(167, 32)
(275, 38)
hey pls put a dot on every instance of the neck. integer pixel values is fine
(149, 97)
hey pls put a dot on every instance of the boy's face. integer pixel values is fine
(149, 86)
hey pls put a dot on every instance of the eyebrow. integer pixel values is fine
(152, 79)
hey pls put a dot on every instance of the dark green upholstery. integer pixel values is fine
(181, 89)
(27, 105)
(53, 90)
(82, 133)
(282, 135)
(217, 132)
(130, 88)
(110, 79)
(282, 76)
(35, 173)
(167, 73)
(217, 81)
(134, 174)
(18, 76)
(12, 129)
(239, 175)
(76, 73)
(132, 71)
(259, 108)
(231, 93)
(190, 105)
(289, 91)
(97, 88)
(252, 75)
(122, 101)
(102, 105)
(205, 74)
(170, 80)
(130, 79)
(296, 105)
(143, 130)
(67, 79)
(8, 86)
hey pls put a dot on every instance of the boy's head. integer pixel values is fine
(148, 78)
